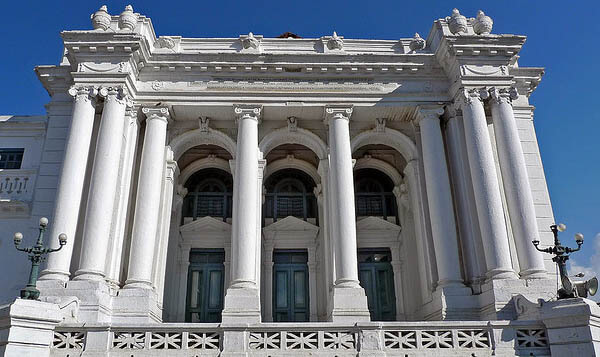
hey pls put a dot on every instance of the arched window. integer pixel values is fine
(289, 192)
(209, 194)
(374, 194)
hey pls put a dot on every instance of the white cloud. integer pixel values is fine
(592, 267)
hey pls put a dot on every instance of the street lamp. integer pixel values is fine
(561, 254)
(36, 255)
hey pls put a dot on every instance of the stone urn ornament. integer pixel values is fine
(482, 25)
(127, 19)
(457, 22)
(101, 19)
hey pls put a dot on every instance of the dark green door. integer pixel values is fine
(377, 278)
(290, 286)
(205, 286)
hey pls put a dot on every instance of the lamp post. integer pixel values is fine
(36, 256)
(561, 255)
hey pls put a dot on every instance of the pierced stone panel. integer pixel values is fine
(68, 340)
(532, 338)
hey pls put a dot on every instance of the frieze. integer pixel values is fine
(295, 86)
(91, 67)
(473, 70)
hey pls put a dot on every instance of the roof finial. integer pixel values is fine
(482, 24)
(101, 19)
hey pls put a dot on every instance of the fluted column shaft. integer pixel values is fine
(103, 186)
(490, 212)
(70, 186)
(342, 193)
(245, 197)
(439, 197)
(516, 182)
(145, 221)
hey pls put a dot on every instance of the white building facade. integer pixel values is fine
(285, 195)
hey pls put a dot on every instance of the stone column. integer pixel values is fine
(103, 186)
(242, 301)
(173, 250)
(516, 182)
(485, 186)
(416, 207)
(466, 212)
(439, 197)
(147, 208)
(349, 299)
(114, 260)
(323, 198)
(70, 186)
(162, 244)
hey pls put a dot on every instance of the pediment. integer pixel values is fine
(376, 223)
(290, 223)
(206, 224)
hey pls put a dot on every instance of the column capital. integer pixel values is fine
(248, 111)
(503, 95)
(83, 92)
(338, 112)
(469, 95)
(161, 113)
(132, 112)
(427, 113)
(115, 92)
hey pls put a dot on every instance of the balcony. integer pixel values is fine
(16, 192)
(440, 338)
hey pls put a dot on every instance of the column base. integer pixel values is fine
(89, 275)
(54, 275)
(499, 274)
(349, 305)
(242, 305)
(534, 274)
(495, 300)
(27, 327)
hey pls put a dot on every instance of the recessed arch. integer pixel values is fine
(292, 163)
(196, 137)
(390, 137)
(298, 136)
(373, 163)
(204, 163)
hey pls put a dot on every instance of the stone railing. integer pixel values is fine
(478, 338)
(17, 185)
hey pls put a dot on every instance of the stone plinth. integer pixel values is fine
(573, 327)
(26, 328)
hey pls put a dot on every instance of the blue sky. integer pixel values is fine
(562, 37)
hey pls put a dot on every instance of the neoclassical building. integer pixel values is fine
(285, 195)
